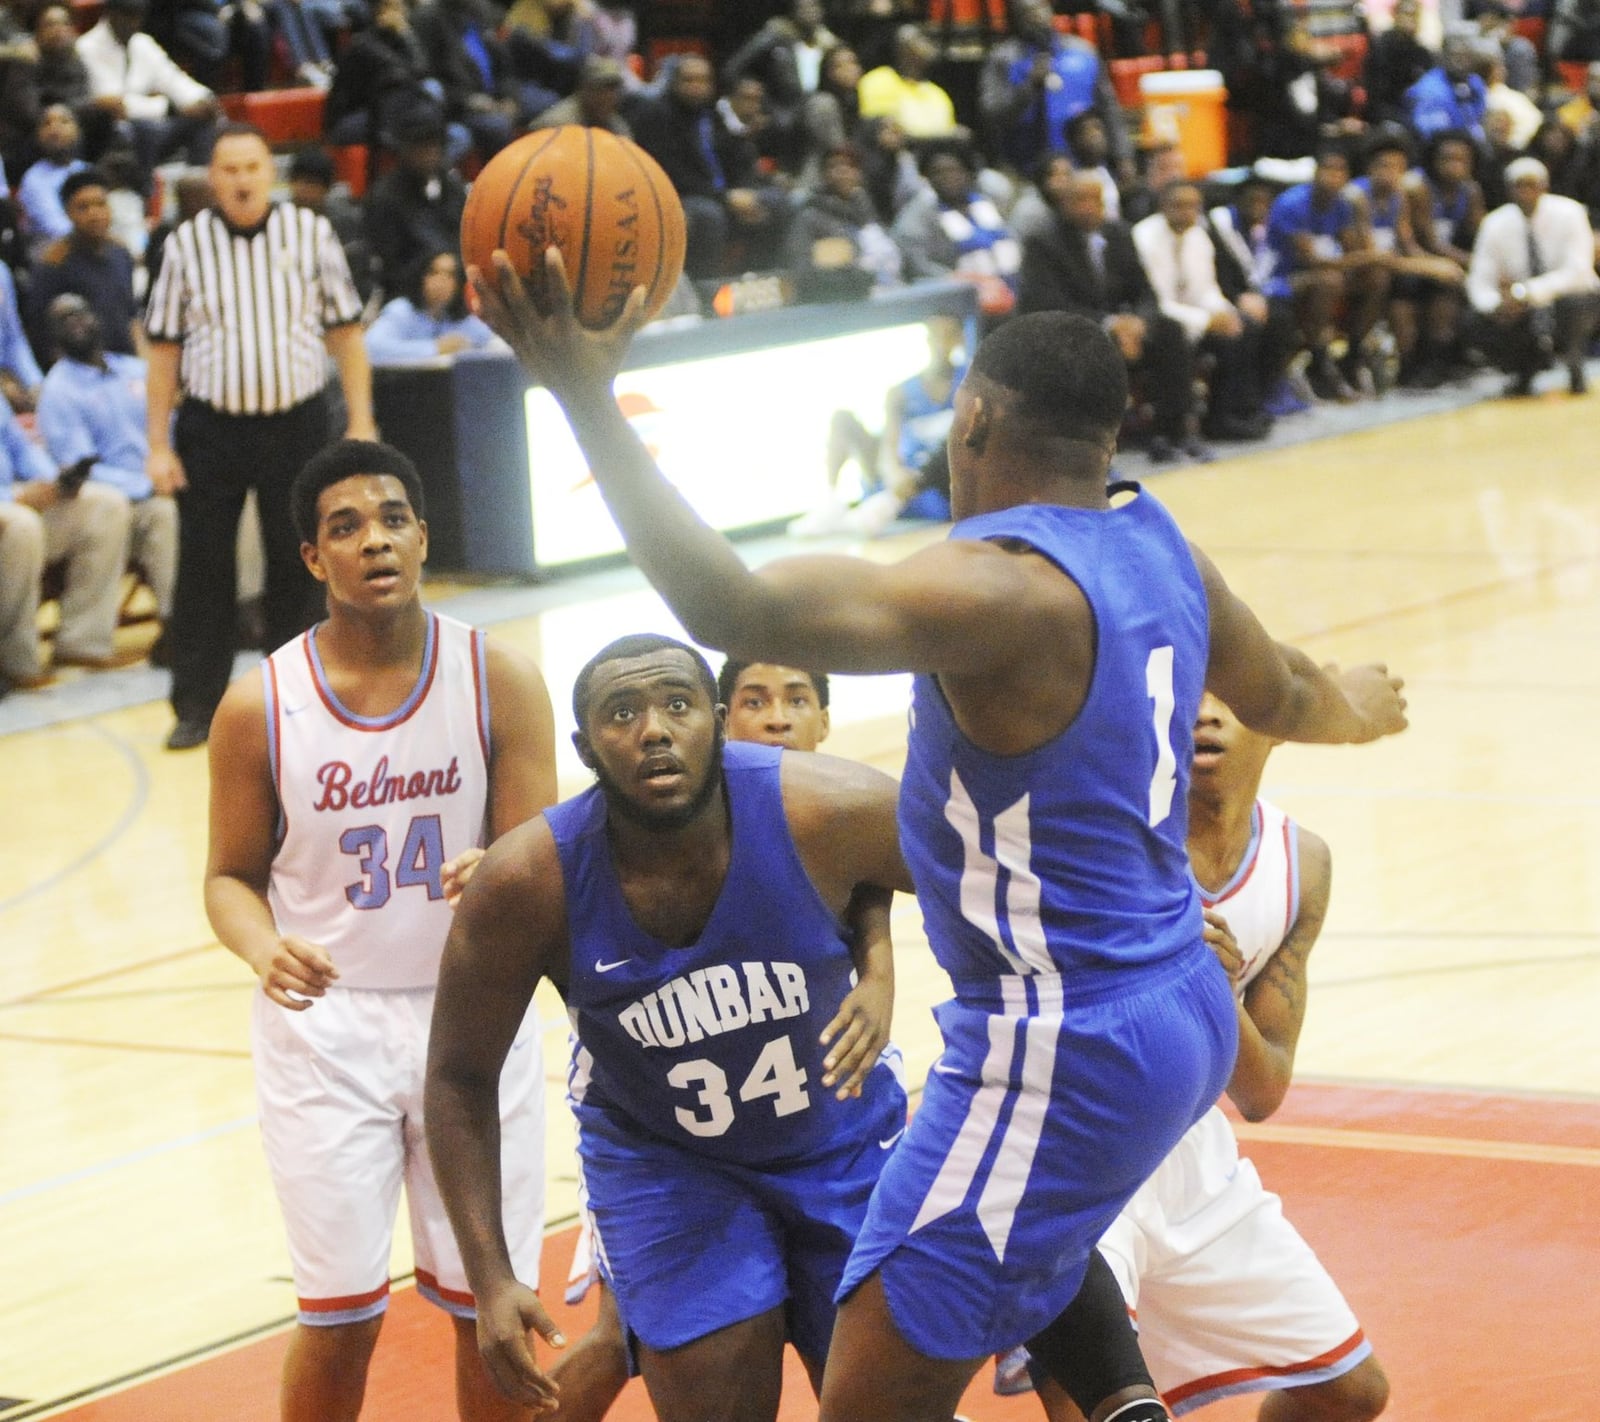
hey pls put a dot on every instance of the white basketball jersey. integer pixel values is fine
(1262, 899)
(373, 806)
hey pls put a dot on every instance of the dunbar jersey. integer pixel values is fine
(1071, 858)
(1262, 899)
(372, 807)
(713, 1046)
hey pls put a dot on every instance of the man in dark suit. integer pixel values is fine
(1090, 267)
(465, 54)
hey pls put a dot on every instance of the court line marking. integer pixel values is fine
(205, 1352)
(137, 800)
(137, 1157)
(114, 1045)
(1467, 594)
(1407, 1143)
(108, 973)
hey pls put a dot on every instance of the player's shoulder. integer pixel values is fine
(239, 730)
(830, 784)
(1316, 858)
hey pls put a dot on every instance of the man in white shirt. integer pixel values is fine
(163, 108)
(1181, 262)
(1533, 280)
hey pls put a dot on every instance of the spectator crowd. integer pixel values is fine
(1404, 205)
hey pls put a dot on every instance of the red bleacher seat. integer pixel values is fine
(285, 116)
(1125, 76)
(1574, 74)
(350, 167)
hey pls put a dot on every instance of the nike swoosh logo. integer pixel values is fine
(607, 967)
(293, 710)
(944, 1070)
(884, 1145)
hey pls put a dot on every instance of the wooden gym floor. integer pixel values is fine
(1441, 1150)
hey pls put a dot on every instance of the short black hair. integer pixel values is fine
(635, 644)
(728, 681)
(1066, 372)
(1436, 145)
(342, 460)
(84, 178)
(1388, 138)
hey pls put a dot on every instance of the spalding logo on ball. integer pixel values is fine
(601, 199)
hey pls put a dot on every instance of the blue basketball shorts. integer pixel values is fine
(690, 1244)
(1036, 1127)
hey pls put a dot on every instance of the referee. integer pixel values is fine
(251, 300)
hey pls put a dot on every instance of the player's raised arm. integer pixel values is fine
(244, 818)
(1274, 1007)
(954, 608)
(1278, 690)
(509, 931)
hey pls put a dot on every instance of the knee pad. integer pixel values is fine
(1092, 1349)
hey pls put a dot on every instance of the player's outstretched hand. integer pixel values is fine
(543, 329)
(457, 874)
(1220, 940)
(862, 1028)
(506, 1316)
(1376, 698)
(300, 968)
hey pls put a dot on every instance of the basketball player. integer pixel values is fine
(690, 907)
(1062, 636)
(1229, 1297)
(773, 705)
(767, 705)
(353, 781)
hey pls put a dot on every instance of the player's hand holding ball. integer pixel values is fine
(572, 238)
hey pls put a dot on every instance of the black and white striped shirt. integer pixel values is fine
(250, 308)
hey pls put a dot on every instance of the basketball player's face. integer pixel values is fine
(1228, 756)
(653, 739)
(777, 706)
(370, 544)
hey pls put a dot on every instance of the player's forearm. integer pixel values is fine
(718, 600)
(242, 920)
(1313, 708)
(461, 1107)
(1261, 1072)
(871, 948)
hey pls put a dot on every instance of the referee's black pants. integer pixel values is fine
(224, 457)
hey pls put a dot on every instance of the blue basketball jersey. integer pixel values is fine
(1071, 858)
(712, 1046)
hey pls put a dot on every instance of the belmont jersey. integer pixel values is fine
(713, 1046)
(1070, 858)
(1262, 899)
(373, 806)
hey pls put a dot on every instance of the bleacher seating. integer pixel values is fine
(286, 116)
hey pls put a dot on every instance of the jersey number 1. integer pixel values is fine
(1158, 687)
(421, 861)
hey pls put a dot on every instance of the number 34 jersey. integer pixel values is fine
(371, 807)
(713, 1046)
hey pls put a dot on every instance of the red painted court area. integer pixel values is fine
(1464, 1228)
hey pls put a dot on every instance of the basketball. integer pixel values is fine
(601, 199)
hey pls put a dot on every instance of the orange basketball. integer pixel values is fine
(601, 199)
